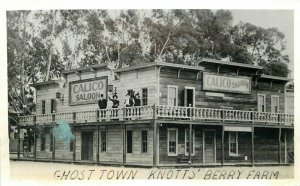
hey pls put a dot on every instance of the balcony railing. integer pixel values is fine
(161, 112)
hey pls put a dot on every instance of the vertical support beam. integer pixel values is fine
(74, 143)
(252, 147)
(124, 144)
(279, 145)
(98, 142)
(34, 141)
(222, 146)
(285, 147)
(53, 141)
(19, 141)
(190, 144)
(154, 143)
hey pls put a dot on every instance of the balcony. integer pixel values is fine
(161, 112)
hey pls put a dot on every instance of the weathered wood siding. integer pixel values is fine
(137, 80)
(197, 158)
(210, 99)
(244, 148)
(266, 145)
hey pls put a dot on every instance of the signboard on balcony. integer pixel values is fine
(87, 91)
(220, 83)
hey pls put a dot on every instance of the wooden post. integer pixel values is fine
(74, 142)
(222, 146)
(279, 145)
(285, 147)
(34, 141)
(124, 144)
(53, 141)
(252, 147)
(154, 143)
(98, 143)
(19, 141)
(190, 144)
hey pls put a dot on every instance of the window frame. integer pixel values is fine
(168, 138)
(272, 104)
(43, 106)
(264, 100)
(147, 102)
(176, 94)
(52, 106)
(185, 95)
(187, 140)
(142, 142)
(101, 141)
(236, 142)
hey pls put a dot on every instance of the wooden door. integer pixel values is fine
(87, 145)
(209, 146)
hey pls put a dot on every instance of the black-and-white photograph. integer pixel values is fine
(125, 94)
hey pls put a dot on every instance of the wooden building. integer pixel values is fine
(213, 113)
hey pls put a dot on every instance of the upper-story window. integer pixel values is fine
(172, 95)
(53, 108)
(43, 107)
(274, 103)
(145, 96)
(261, 102)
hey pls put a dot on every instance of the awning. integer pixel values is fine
(237, 129)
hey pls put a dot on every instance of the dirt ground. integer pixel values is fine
(23, 170)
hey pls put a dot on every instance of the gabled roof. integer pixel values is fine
(160, 64)
(36, 85)
(277, 78)
(89, 68)
(229, 63)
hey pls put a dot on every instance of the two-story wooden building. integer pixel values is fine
(213, 113)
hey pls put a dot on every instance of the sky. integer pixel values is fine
(281, 19)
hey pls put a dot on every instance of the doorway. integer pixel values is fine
(209, 146)
(189, 97)
(87, 145)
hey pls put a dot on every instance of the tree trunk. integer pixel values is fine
(51, 44)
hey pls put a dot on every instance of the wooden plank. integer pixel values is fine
(53, 141)
(98, 143)
(34, 142)
(19, 142)
(190, 144)
(74, 142)
(252, 147)
(222, 146)
(124, 144)
(154, 143)
(279, 145)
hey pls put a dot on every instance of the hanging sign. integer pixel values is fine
(221, 83)
(87, 91)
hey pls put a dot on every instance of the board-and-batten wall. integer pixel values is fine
(136, 80)
(209, 99)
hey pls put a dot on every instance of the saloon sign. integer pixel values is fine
(226, 84)
(87, 91)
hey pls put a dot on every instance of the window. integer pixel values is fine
(172, 142)
(144, 96)
(43, 107)
(187, 140)
(71, 145)
(103, 141)
(172, 95)
(144, 141)
(52, 105)
(274, 104)
(233, 143)
(261, 102)
(129, 141)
